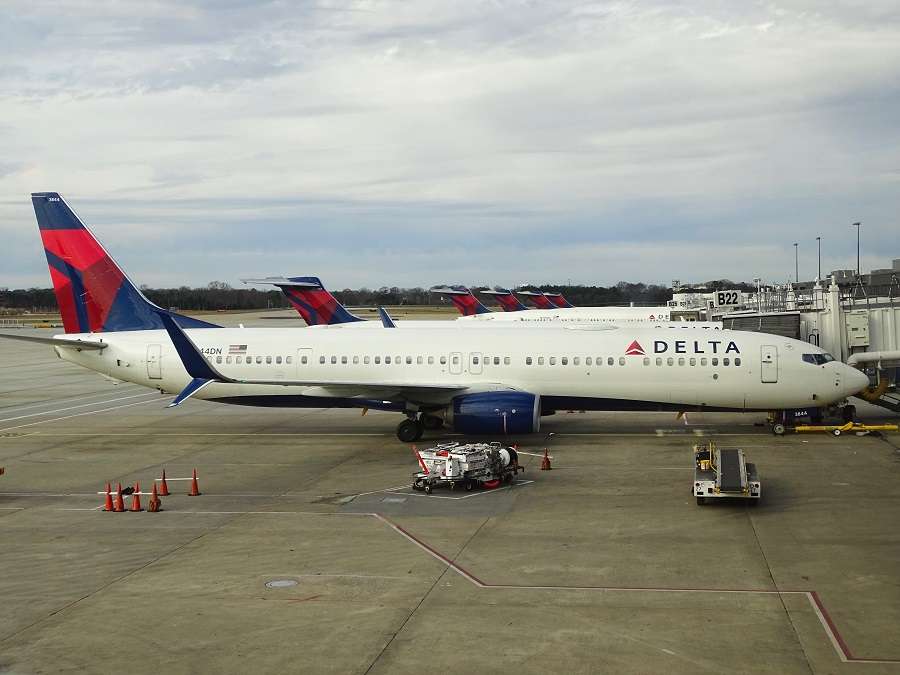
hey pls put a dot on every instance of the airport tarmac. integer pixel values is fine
(604, 564)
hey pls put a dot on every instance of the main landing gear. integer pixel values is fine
(410, 430)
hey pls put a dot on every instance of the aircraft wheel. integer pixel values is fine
(409, 431)
(778, 429)
(428, 489)
(849, 413)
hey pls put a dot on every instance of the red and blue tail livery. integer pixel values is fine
(558, 300)
(93, 293)
(538, 299)
(508, 301)
(311, 299)
(462, 299)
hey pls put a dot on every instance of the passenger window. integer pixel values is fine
(355, 360)
(218, 359)
(564, 360)
(704, 362)
(540, 360)
(397, 360)
(659, 360)
(418, 360)
(646, 361)
(737, 361)
(587, 360)
(321, 359)
(621, 360)
(289, 359)
(227, 359)
(681, 361)
(430, 360)
(506, 361)
(726, 361)
(670, 361)
(387, 360)
(527, 360)
(408, 360)
(715, 361)
(552, 360)
(303, 359)
(259, 359)
(377, 360)
(455, 360)
(496, 360)
(576, 361)
(344, 360)
(443, 360)
(610, 361)
(278, 360)
(238, 359)
(269, 360)
(693, 362)
(475, 360)
(366, 360)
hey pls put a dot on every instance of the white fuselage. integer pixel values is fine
(622, 316)
(621, 368)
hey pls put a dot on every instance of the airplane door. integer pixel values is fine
(768, 359)
(475, 363)
(154, 366)
(455, 363)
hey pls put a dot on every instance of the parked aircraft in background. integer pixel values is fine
(538, 299)
(506, 299)
(474, 381)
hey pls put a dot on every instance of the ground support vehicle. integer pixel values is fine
(469, 466)
(724, 472)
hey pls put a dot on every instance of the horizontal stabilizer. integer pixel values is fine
(193, 387)
(283, 281)
(386, 319)
(57, 342)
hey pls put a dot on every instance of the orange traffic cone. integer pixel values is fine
(153, 506)
(195, 488)
(119, 503)
(163, 486)
(136, 499)
(108, 505)
(545, 462)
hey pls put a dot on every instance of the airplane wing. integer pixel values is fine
(204, 373)
(77, 343)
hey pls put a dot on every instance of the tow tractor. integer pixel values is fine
(471, 465)
(724, 472)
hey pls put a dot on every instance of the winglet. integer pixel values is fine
(386, 319)
(191, 358)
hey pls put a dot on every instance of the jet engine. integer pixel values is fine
(496, 413)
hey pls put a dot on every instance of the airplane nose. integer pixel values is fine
(855, 380)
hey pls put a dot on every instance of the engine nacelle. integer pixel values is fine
(496, 413)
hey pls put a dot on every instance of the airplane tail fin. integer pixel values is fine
(462, 298)
(538, 299)
(558, 300)
(93, 293)
(311, 299)
(508, 301)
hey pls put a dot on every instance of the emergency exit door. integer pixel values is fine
(154, 367)
(768, 359)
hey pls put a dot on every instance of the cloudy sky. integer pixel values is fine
(413, 142)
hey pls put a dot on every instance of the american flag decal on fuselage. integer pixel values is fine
(237, 349)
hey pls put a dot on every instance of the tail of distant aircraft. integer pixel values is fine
(92, 291)
(311, 299)
(538, 299)
(558, 300)
(508, 301)
(462, 299)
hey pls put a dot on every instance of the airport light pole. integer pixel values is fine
(819, 242)
(856, 225)
(796, 265)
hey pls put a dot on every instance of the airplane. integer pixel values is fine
(477, 382)
(311, 299)
(539, 299)
(508, 301)
(462, 299)
(558, 300)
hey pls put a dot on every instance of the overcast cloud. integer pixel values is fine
(412, 143)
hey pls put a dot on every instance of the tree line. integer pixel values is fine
(218, 295)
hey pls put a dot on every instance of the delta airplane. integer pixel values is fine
(319, 307)
(507, 300)
(473, 381)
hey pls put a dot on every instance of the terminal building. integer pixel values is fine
(854, 317)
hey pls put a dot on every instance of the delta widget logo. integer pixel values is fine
(635, 349)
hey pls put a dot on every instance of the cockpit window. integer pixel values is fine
(818, 359)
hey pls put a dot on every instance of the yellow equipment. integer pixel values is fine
(837, 430)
